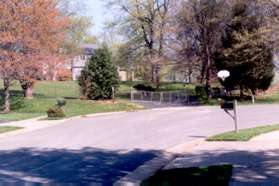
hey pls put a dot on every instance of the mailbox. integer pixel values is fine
(227, 105)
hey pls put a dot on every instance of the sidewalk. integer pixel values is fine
(30, 125)
(255, 162)
(41, 123)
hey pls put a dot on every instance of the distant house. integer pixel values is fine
(79, 61)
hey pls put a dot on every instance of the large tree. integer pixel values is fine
(144, 24)
(30, 30)
(48, 34)
(200, 24)
(78, 30)
(244, 52)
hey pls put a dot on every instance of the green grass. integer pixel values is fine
(214, 175)
(176, 86)
(4, 129)
(45, 96)
(244, 134)
(68, 89)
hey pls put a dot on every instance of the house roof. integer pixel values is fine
(88, 49)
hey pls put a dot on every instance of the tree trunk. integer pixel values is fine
(157, 74)
(253, 95)
(28, 93)
(27, 87)
(208, 73)
(7, 105)
(189, 74)
(241, 92)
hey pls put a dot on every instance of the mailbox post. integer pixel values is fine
(229, 105)
(235, 116)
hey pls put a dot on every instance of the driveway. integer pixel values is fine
(103, 149)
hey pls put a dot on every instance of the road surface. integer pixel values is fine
(103, 149)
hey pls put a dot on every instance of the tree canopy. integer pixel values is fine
(244, 52)
(99, 76)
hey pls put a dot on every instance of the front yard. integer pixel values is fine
(46, 94)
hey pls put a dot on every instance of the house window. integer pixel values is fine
(83, 57)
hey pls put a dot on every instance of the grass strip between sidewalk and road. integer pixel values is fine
(244, 134)
(5, 129)
(213, 175)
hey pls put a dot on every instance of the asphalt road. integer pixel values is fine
(105, 148)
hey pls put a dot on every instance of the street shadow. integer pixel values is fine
(250, 168)
(51, 166)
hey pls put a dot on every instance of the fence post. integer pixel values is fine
(187, 96)
(113, 95)
(132, 94)
(161, 97)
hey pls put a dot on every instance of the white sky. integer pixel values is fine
(96, 10)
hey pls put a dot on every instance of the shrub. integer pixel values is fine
(61, 103)
(64, 75)
(143, 87)
(99, 76)
(55, 112)
(201, 94)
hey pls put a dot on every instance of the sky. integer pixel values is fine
(96, 10)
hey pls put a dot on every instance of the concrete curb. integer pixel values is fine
(144, 171)
(151, 167)
(186, 147)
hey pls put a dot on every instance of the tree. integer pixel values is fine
(29, 31)
(78, 30)
(47, 33)
(200, 24)
(144, 23)
(244, 52)
(99, 76)
(78, 33)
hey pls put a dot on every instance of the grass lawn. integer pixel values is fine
(4, 129)
(274, 98)
(214, 175)
(176, 86)
(244, 134)
(46, 94)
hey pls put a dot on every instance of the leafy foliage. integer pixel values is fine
(55, 112)
(99, 76)
(144, 87)
(244, 52)
(201, 93)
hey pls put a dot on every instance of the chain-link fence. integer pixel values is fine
(169, 97)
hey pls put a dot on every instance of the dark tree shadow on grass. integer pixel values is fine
(32, 166)
(250, 168)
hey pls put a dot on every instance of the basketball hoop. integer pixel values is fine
(223, 74)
